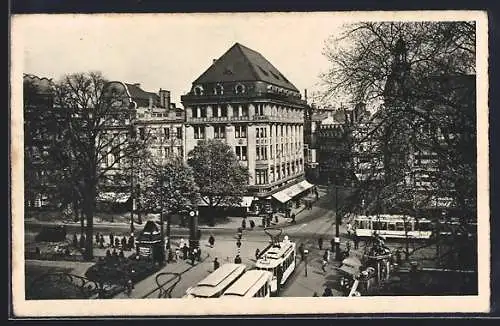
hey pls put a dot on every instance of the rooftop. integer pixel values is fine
(240, 63)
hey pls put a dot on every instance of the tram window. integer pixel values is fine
(383, 226)
(356, 223)
(376, 225)
(392, 227)
(400, 226)
(364, 224)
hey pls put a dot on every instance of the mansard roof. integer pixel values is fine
(240, 63)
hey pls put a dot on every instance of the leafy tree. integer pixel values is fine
(170, 188)
(221, 179)
(98, 138)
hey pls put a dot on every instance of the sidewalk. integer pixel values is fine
(232, 223)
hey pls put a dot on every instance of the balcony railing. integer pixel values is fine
(238, 97)
(264, 118)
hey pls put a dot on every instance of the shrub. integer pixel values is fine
(52, 234)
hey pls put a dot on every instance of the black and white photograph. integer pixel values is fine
(249, 163)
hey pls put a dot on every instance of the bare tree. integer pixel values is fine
(99, 138)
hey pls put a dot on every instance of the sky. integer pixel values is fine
(170, 51)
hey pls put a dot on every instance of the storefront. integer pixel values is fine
(116, 202)
(242, 209)
(293, 193)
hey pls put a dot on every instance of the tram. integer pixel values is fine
(214, 285)
(253, 284)
(393, 226)
(279, 259)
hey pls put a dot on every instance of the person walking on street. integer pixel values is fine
(244, 224)
(211, 241)
(323, 264)
(237, 259)
(124, 243)
(101, 241)
(349, 229)
(238, 243)
(356, 241)
(301, 251)
(111, 240)
(320, 243)
(332, 243)
(185, 252)
(194, 254)
(216, 263)
(293, 218)
(348, 246)
(97, 238)
(75, 240)
(257, 253)
(198, 254)
(252, 224)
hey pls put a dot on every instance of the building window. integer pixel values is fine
(281, 131)
(203, 112)
(271, 153)
(277, 151)
(236, 111)
(240, 131)
(195, 112)
(166, 132)
(259, 109)
(179, 132)
(223, 110)
(261, 176)
(219, 90)
(278, 172)
(219, 132)
(241, 153)
(244, 110)
(271, 173)
(199, 132)
(198, 90)
(239, 89)
(166, 152)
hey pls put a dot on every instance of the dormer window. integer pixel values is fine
(198, 90)
(239, 89)
(218, 90)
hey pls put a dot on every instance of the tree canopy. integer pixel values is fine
(220, 177)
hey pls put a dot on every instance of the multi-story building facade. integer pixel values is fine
(243, 100)
(40, 134)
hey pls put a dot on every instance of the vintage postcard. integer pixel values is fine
(250, 163)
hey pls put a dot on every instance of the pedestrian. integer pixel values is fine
(101, 241)
(252, 224)
(198, 254)
(75, 241)
(240, 233)
(320, 243)
(243, 224)
(211, 240)
(237, 259)
(130, 286)
(257, 253)
(349, 229)
(216, 263)
(276, 218)
(114, 254)
(328, 292)
(348, 246)
(238, 243)
(332, 243)
(131, 241)
(121, 254)
(108, 253)
(193, 255)
(117, 242)
(82, 241)
(301, 251)
(323, 264)
(97, 238)
(263, 221)
(293, 218)
(124, 243)
(111, 239)
(325, 255)
(185, 250)
(356, 241)
(177, 254)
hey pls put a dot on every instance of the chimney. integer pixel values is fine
(305, 95)
(164, 98)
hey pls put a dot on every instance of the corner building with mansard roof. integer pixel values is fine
(243, 100)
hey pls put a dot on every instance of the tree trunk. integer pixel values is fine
(89, 216)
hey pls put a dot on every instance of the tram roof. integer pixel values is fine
(251, 280)
(218, 279)
(271, 256)
(390, 217)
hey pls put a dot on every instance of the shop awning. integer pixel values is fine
(246, 201)
(113, 197)
(292, 191)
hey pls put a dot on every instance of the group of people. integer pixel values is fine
(184, 252)
(124, 243)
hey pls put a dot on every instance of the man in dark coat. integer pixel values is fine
(185, 250)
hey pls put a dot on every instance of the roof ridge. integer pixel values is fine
(249, 63)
